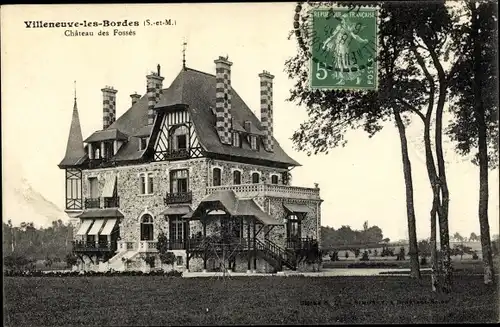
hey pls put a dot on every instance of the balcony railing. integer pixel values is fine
(92, 203)
(256, 190)
(177, 153)
(185, 197)
(112, 202)
(82, 246)
(299, 243)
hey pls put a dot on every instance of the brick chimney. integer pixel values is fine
(154, 87)
(223, 99)
(135, 97)
(108, 106)
(266, 108)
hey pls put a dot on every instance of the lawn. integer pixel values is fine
(158, 300)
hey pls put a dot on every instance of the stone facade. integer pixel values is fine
(134, 205)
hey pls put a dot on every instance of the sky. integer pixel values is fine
(360, 182)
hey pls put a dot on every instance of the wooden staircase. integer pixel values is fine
(275, 255)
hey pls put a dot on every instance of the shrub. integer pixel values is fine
(423, 260)
(71, 260)
(475, 256)
(150, 260)
(346, 255)
(365, 256)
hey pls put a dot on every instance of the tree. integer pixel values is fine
(413, 48)
(473, 237)
(475, 107)
(458, 237)
(332, 113)
(166, 256)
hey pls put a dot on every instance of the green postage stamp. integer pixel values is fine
(344, 48)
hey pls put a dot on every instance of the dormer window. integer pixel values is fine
(236, 139)
(252, 139)
(143, 143)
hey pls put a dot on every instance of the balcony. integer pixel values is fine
(271, 190)
(173, 198)
(299, 243)
(82, 246)
(172, 154)
(92, 203)
(112, 202)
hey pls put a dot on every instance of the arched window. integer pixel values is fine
(179, 137)
(274, 179)
(146, 228)
(216, 177)
(237, 177)
(255, 178)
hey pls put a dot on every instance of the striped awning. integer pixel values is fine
(84, 227)
(96, 227)
(108, 228)
(109, 186)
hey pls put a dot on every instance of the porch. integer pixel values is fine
(238, 228)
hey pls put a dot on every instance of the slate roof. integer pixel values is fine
(105, 135)
(196, 90)
(75, 153)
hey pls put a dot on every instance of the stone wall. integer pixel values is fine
(134, 205)
(228, 167)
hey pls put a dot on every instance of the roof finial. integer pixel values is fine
(75, 88)
(184, 44)
(158, 69)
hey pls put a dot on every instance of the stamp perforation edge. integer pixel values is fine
(310, 28)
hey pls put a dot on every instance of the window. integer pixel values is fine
(97, 151)
(94, 187)
(236, 139)
(179, 137)
(143, 184)
(216, 177)
(237, 177)
(143, 143)
(177, 229)
(108, 150)
(255, 178)
(147, 228)
(179, 260)
(253, 142)
(150, 183)
(179, 181)
(146, 182)
(292, 227)
(274, 179)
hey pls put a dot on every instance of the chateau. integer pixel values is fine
(193, 163)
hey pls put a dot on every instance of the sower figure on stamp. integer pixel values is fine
(340, 44)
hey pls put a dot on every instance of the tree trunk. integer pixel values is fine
(434, 259)
(444, 233)
(483, 152)
(410, 210)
